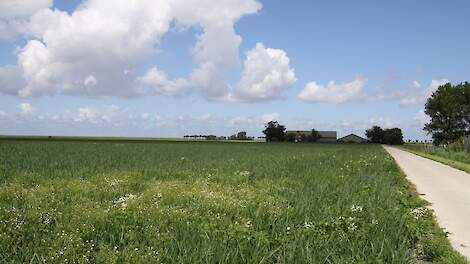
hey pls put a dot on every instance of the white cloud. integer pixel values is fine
(416, 94)
(14, 15)
(87, 114)
(266, 74)
(160, 83)
(333, 92)
(270, 117)
(90, 80)
(10, 9)
(26, 108)
(11, 80)
(422, 118)
(98, 50)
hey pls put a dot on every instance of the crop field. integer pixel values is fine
(194, 202)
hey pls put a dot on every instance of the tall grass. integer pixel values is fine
(457, 158)
(171, 202)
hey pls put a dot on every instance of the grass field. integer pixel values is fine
(181, 202)
(456, 159)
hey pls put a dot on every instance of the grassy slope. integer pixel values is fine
(183, 202)
(458, 160)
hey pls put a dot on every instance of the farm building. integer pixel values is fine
(325, 136)
(352, 138)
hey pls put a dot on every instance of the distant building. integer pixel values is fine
(325, 136)
(352, 138)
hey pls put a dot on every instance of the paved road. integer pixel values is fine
(448, 191)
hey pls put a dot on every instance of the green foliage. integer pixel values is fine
(449, 109)
(375, 135)
(242, 135)
(181, 202)
(314, 136)
(450, 155)
(211, 137)
(274, 131)
(291, 136)
(301, 136)
(457, 146)
(392, 136)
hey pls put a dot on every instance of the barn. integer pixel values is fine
(352, 138)
(325, 136)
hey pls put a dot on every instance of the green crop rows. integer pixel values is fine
(189, 202)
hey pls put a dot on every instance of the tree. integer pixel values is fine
(393, 136)
(274, 131)
(290, 137)
(241, 135)
(211, 137)
(449, 110)
(375, 135)
(314, 136)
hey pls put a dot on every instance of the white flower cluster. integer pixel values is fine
(419, 212)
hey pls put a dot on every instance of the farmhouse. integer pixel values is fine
(352, 138)
(325, 136)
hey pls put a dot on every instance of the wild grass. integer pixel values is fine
(457, 159)
(176, 202)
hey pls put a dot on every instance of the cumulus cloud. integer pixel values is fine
(333, 92)
(266, 74)
(416, 94)
(14, 15)
(100, 48)
(158, 81)
(26, 108)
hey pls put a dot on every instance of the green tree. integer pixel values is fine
(375, 135)
(242, 135)
(314, 136)
(449, 110)
(290, 137)
(393, 136)
(274, 131)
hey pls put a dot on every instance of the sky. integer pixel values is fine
(168, 68)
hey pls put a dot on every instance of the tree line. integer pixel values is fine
(276, 132)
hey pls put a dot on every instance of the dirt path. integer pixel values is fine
(448, 191)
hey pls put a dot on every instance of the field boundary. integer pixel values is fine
(432, 237)
(452, 163)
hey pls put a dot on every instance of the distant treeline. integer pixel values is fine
(242, 135)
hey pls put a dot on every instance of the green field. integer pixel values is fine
(456, 159)
(194, 202)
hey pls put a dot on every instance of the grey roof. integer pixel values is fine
(354, 135)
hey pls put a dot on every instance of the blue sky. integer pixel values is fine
(385, 58)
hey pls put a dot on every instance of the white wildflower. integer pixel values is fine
(356, 208)
(248, 224)
(245, 173)
(125, 198)
(418, 212)
(308, 224)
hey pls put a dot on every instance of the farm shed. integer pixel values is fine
(325, 136)
(352, 138)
